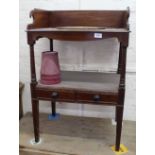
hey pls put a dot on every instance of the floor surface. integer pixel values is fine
(71, 135)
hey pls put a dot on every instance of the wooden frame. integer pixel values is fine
(53, 25)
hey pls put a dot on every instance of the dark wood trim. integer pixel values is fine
(53, 103)
(32, 65)
(77, 36)
(123, 52)
(51, 44)
(119, 127)
(35, 112)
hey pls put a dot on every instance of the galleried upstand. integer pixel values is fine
(80, 87)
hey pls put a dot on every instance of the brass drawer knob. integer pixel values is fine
(96, 98)
(55, 95)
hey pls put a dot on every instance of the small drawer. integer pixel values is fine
(58, 95)
(96, 97)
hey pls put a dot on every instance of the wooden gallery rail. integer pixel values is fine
(84, 87)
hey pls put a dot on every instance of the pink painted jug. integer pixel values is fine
(50, 69)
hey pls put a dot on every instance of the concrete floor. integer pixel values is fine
(72, 135)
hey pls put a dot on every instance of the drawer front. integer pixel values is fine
(58, 95)
(96, 97)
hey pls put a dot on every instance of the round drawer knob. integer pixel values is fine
(97, 98)
(55, 95)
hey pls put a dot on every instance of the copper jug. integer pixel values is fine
(50, 69)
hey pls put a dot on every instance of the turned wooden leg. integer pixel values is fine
(35, 112)
(53, 103)
(119, 118)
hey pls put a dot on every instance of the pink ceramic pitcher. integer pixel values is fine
(50, 69)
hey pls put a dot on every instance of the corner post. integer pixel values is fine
(34, 101)
(119, 109)
(53, 103)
